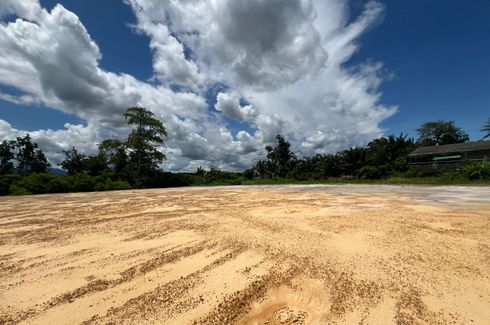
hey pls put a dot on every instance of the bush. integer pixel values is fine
(453, 175)
(81, 182)
(109, 185)
(474, 171)
(169, 180)
(6, 181)
(249, 173)
(18, 190)
(36, 183)
(373, 172)
(49, 183)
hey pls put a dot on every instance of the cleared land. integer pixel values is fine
(248, 255)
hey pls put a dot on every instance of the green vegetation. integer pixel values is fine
(143, 156)
(39, 183)
(134, 163)
(441, 132)
(381, 158)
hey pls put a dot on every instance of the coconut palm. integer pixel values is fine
(486, 128)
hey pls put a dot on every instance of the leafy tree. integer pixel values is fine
(387, 150)
(6, 181)
(6, 156)
(96, 165)
(353, 159)
(387, 155)
(330, 165)
(115, 153)
(261, 167)
(200, 171)
(304, 169)
(75, 162)
(441, 132)
(281, 159)
(486, 128)
(29, 158)
(147, 133)
(249, 173)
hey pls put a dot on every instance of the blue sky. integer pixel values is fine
(428, 59)
(438, 52)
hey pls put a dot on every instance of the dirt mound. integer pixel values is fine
(299, 304)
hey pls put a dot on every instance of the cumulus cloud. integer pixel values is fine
(284, 64)
(229, 105)
(53, 142)
(25, 9)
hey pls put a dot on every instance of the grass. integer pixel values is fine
(388, 181)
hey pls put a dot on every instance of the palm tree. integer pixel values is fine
(486, 128)
(354, 158)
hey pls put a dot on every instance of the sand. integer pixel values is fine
(248, 255)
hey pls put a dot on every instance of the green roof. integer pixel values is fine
(447, 157)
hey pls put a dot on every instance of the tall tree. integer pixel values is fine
(96, 164)
(280, 157)
(353, 159)
(30, 159)
(6, 156)
(486, 128)
(388, 150)
(441, 132)
(261, 168)
(74, 161)
(148, 132)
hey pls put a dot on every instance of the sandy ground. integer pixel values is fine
(248, 255)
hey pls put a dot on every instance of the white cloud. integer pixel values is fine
(25, 9)
(229, 105)
(285, 58)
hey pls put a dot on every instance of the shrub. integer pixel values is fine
(373, 172)
(169, 180)
(36, 183)
(6, 181)
(249, 173)
(474, 171)
(18, 190)
(81, 182)
(109, 185)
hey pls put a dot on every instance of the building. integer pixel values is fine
(449, 155)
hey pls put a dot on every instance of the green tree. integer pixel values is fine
(115, 152)
(6, 156)
(353, 159)
(261, 167)
(387, 150)
(96, 164)
(200, 171)
(142, 142)
(75, 162)
(281, 159)
(249, 173)
(29, 158)
(486, 128)
(387, 155)
(330, 165)
(441, 132)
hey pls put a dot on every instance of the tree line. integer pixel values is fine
(135, 161)
(118, 164)
(381, 158)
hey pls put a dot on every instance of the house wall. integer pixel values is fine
(478, 154)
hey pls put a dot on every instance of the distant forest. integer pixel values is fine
(135, 162)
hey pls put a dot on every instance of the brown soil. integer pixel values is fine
(248, 255)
